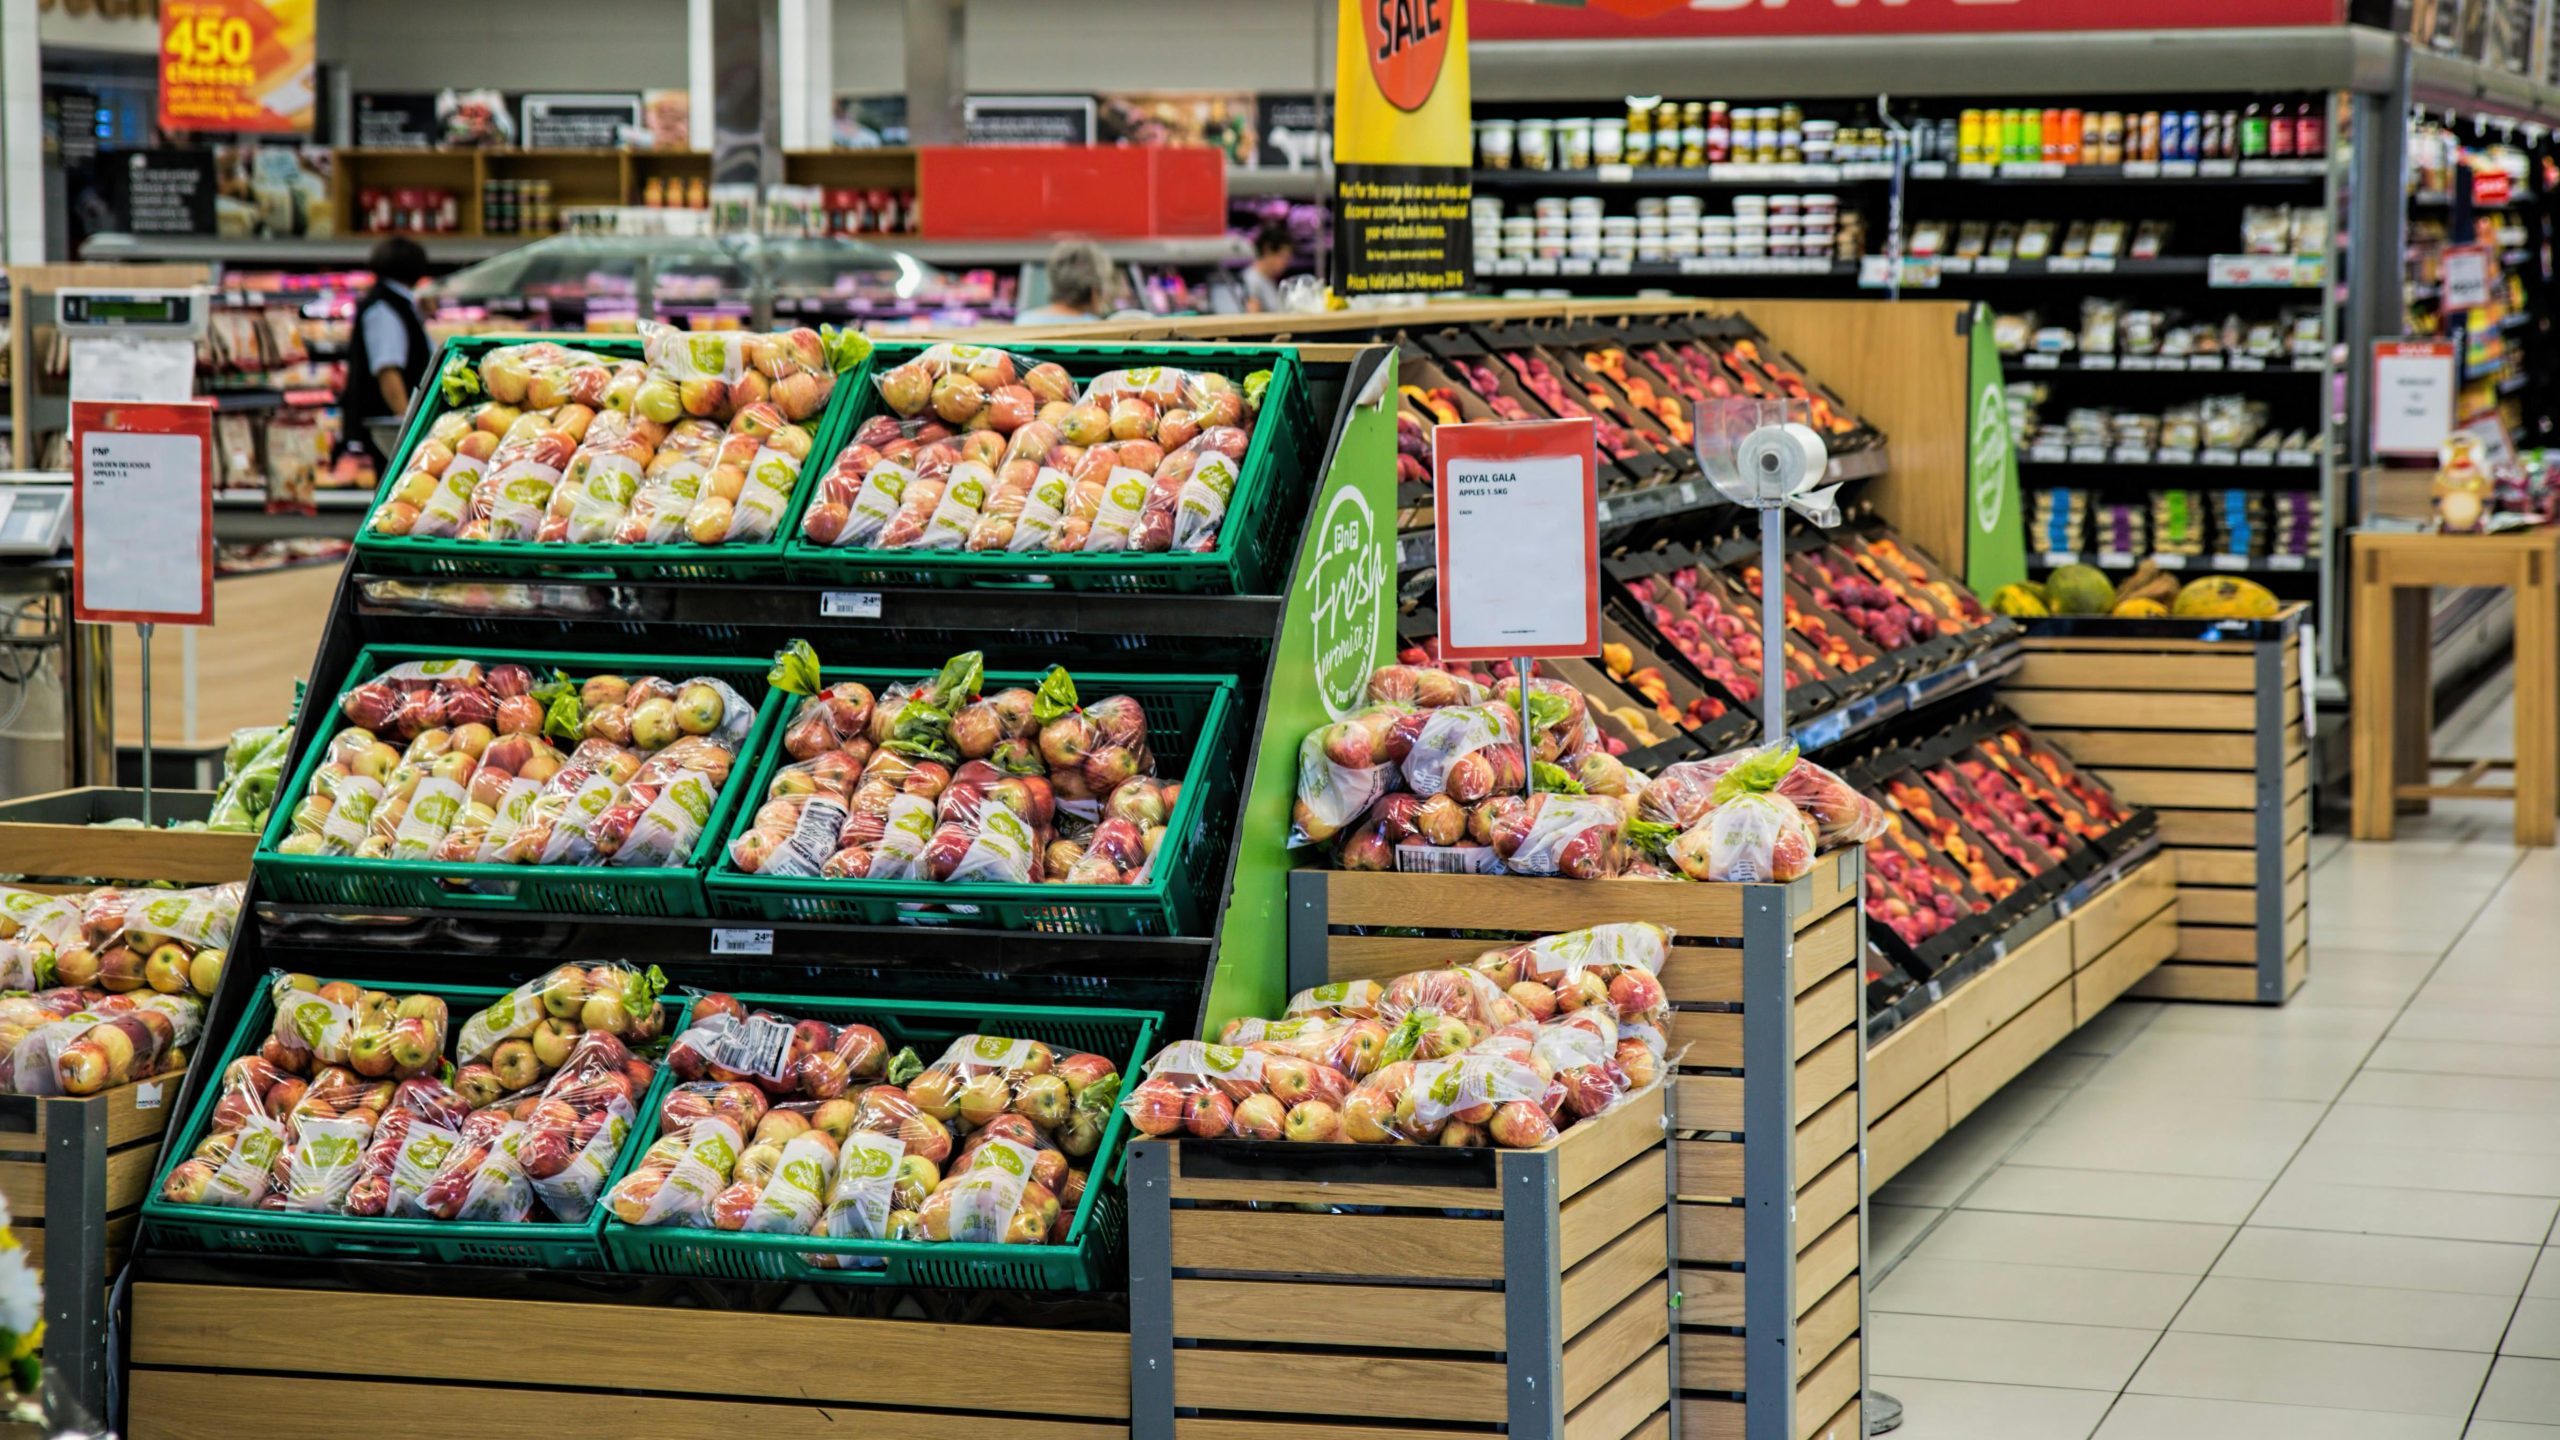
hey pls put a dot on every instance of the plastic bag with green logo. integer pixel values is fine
(982, 1077)
(792, 1199)
(252, 768)
(679, 1176)
(578, 1127)
(870, 1169)
(995, 1202)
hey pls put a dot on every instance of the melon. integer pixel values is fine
(2224, 597)
(2080, 590)
(2140, 608)
(2021, 602)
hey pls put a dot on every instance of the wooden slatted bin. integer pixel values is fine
(2204, 721)
(1767, 1101)
(61, 837)
(75, 1171)
(609, 1356)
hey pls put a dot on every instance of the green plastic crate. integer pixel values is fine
(547, 1245)
(444, 555)
(1126, 1036)
(574, 889)
(1190, 727)
(1254, 545)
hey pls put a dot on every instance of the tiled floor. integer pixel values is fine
(2333, 1221)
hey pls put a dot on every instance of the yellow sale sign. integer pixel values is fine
(236, 65)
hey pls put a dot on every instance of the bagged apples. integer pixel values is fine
(577, 1128)
(1197, 1087)
(679, 1177)
(1574, 837)
(871, 1170)
(1616, 966)
(34, 929)
(780, 1183)
(726, 1042)
(1747, 831)
(1683, 794)
(483, 1178)
(171, 942)
(995, 1202)
(374, 1033)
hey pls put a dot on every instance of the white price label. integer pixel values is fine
(728, 941)
(148, 1095)
(850, 604)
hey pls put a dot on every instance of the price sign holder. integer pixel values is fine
(2413, 395)
(1517, 542)
(142, 524)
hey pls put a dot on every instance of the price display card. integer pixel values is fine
(142, 513)
(2413, 394)
(1518, 538)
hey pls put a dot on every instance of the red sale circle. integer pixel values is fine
(1408, 40)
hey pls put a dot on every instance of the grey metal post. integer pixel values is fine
(937, 72)
(1670, 1083)
(2375, 255)
(1532, 1300)
(746, 116)
(2270, 678)
(1768, 1164)
(1150, 1291)
(75, 1264)
(1308, 936)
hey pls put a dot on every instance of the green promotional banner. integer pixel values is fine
(1995, 552)
(1340, 626)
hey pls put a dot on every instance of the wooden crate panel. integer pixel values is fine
(1714, 1102)
(2219, 905)
(1403, 1245)
(1905, 1134)
(2152, 749)
(1635, 1406)
(1974, 1076)
(1825, 1327)
(128, 1176)
(2229, 984)
(1712, 1039)
(1702, 1418)
(1832, 1384)
(1711, 1361)
(1831, 1258)
(1830, 1134)
(1823, 1200)
(2231, 944)
(2133, 957)
(2228, 829)
(1978, 1008)
(1319, 1383)
(482, 1342)
(1600, 1354)
(1611, 1208)
(2117, 910)
(1903, 1061)
(1712, 974)
(2089, 709)
(1710, 1297)
(1594, 1287)
(1392, 1316)
(1545, 907)
(1826, 1073)
(2187, 789)
(2137, 674)
(204, 1405)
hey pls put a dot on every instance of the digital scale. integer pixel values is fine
(131, 345)
(35, 513)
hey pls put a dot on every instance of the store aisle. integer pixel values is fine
(2332, 1221)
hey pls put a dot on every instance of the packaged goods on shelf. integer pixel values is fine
(2178, 522)
(2058, 520)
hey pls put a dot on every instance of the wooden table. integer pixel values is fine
(2393, 762)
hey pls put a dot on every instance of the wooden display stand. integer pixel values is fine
(59, 836)
(1768, 1221)
(2392, 763)
(75, 1171)
(562, 1367)
(1928, 1075)
(2202, 720)
(1520, 1292)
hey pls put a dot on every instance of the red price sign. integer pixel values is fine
(236, 65)
(2491, 187)
(1518, 538)
(142, 513)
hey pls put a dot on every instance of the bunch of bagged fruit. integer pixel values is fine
(118, 940)
(796, 1126)
(982, 451)
(350, 1107)
(945, 781)
(701, 442)
(1506, 1049)
(475, 774)
(1431, 776)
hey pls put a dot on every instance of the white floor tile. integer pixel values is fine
(2408, 1125)
(2006, 1352)
(2168, 1247)
(2211, 1200)
(2404, 1262)
(2387, 1210)
(2535, 1331)
(1968, 1410)
(2048, 1294)
(2545, 1284)
(2456, 1057)
(2353, 1314)
(2523, 1389)
(2426, 1167)
(2170, 1134)
(2509, 1430)
(2169, 1417)
(2474, 1093)
(1946, 1170)
(2313, 1373)
(1891, 1230)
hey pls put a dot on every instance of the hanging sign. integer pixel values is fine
(1995, 547)
(1666, 19)
(579, 122)
(2466, 273)
(1403, 148)
(242, 66)
(142, 513)
(1518, 507)
(2413, 392)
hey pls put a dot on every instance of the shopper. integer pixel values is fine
(1079, 286)
(1273, 249)
(387, 351)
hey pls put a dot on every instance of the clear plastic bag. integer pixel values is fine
(578, 1127)
(1683, 794)
(980, 1077)
(1467, 752)
(995, 1202)
(1343, 769)
(376, 1034)
(677, 1180)
(957, 382)
(1201, 1088)
(864, 1192)
(1753, 837)
(1573, 837)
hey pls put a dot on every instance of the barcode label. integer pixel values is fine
(1447, 860)
(757, 1046)
(727, 941)
(147, 1095)
(850, 604)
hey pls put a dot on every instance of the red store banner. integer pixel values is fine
(1681, 19)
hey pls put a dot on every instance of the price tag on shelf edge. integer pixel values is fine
(1518, 539)
(142, 512)
(2413, 387)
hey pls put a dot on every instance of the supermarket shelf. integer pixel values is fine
(1723, 267)
(2143, 457)
(1990, 268)
(1683, 177)
(2178, 172)
(248, 250)
(355, 501)
(415, 616)
(2511, 384)
(1247, 180)
(1177, 250)
(2032, 364)
(1858, 716)
(1634, 507)
(2226, 564)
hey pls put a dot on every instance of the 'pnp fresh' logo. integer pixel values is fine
(1408, 40)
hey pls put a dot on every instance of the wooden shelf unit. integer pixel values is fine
(581, 177)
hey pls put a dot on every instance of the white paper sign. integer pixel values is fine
(2413, 390)
(142, 544)
(1519, 539)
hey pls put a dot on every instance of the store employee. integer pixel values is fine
(387, 354)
